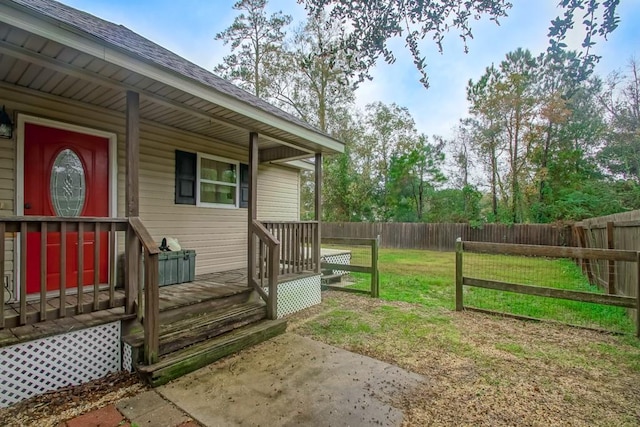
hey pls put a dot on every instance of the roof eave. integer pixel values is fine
(32, 21)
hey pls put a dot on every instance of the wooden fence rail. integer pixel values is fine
(372, 269)
(440, 236)
(550, 252)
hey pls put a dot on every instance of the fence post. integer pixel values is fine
(459, 248)
(611, 281)
(375, 283)
(638, 294)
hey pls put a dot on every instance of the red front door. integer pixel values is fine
(65, 174)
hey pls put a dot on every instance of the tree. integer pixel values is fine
(374, 22)
(621, 153)
(314, 78)
(256, 42)
(486, 124)
(348, 189)
(390, 131)
(462, 159)
(413, 173)
(503, 103)
(570, 127)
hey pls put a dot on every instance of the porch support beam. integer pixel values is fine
(132, 209)
(252, 211)
(133, 154)
(282, 154)
(318, 212)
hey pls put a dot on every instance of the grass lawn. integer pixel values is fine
(428, 278)
(482, 370)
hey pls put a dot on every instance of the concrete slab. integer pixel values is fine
(150, 409)
(291, 380)
(165, 416)
(140, 404)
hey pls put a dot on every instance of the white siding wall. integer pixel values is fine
(7, 208)
(217, 235)
(278, 194)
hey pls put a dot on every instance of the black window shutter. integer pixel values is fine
(186, 168)
(244, 185)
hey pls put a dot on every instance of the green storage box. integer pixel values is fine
(187, 266)
(176, 267)
(168, 263)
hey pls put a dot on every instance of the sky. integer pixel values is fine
(189, 30)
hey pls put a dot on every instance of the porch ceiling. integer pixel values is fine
(33, 62)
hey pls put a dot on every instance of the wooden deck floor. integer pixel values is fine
(206, 287)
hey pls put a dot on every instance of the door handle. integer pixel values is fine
(27, 205)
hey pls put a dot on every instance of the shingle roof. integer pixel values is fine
(124, 39)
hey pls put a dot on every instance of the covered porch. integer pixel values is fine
(66, 70)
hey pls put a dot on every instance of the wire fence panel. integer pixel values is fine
(499, 279)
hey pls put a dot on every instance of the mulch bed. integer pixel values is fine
(52, 408)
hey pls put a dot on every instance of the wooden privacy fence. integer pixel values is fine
(618, 231)
(440, 236)
(371, 269)
(549, 252)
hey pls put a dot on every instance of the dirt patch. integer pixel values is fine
(480, 369)
(486, 370)
(51, 408)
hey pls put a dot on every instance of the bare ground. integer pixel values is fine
(487, 370)
(481, 369)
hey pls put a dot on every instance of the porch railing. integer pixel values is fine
(32, 235)
(299, 245)
(24, 308)
(148, 290)
(264, 265)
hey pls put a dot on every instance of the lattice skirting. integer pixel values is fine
(127, 357)
(340, 258)
(298, 294)
(47, 364)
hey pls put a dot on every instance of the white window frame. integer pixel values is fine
(199, 180)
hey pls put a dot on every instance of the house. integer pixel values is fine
(108, 143)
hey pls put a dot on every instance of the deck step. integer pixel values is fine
(331, 278)
(178, 310)
(194, 328)
(187, 360)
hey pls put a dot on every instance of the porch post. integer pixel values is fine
(131, 198)
(318, 212)
(252, 208)
(133, 153)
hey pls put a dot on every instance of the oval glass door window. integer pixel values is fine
(68, 184)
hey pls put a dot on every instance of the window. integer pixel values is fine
(206, 180)
(217, 181)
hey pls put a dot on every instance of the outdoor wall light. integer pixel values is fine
(6, 125)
